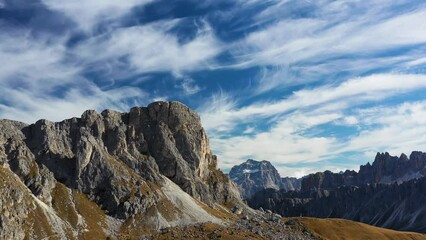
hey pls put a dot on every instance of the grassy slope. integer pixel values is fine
(344, 229)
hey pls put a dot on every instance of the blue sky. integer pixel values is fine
(307, 85)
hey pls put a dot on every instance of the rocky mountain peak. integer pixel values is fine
(149, 164)
(390, 169)
(253, 176)
(385, 169)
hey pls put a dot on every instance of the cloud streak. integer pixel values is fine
(349, 93)
(89, 13)
(150, 48)
(291, 140)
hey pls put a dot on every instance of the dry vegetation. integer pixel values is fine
(93, 215)
(334, 229)
(205, 231)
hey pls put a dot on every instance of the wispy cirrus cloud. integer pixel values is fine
(350, 37)
(294, 40)
(290, 139)
(347, 94)
(88, 13)
(150, 48)
(34, 61)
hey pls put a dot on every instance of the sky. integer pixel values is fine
(307, 85)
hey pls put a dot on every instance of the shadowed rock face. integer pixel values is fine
(394, 206)
(388, 193)
(121, 161)
(385, 169)
(253, 176)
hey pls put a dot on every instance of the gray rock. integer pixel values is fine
(253, 176)
(118, 160)
(389, 193)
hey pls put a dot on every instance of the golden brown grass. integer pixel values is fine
(207, 231)
(93, 216)
(218, 212)
(63, 204)
(334, 229)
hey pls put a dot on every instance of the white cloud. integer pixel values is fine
(284, 142)
(399, 129)
(290, 138)
(87, 13)
(189, 86)
(249, 130)
(349, 93)
(335, 37)
(349, 120)
(296, 40)
(150, 48)
(28, 106)
(34, 62)
(217, 113)
(417, 61)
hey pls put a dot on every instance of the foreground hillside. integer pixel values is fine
(295, 228)
(334, 229)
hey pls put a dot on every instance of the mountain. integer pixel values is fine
(394, 206)
(145, 174)
(389, 193)
(105, 173)
(253, 176)
(391, 169)
(386, 169)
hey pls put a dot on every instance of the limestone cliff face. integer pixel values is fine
(126, 167)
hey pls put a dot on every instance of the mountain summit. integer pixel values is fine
(253, 176)
(105, 173)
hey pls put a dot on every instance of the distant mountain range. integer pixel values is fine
(389, 193)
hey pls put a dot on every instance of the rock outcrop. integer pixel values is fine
(389, 169)
(253, 176)
(150, 165)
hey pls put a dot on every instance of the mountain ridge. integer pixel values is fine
(388, 193)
